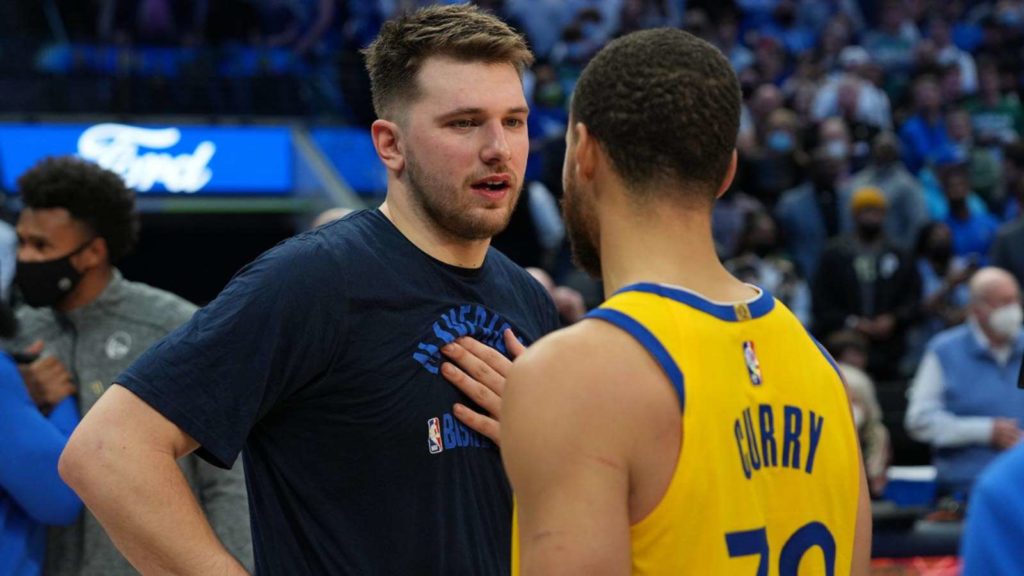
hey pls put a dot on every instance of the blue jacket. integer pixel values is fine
(32, 495)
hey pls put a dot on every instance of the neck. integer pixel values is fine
(418, 228)
(89, 288)
(663, 244)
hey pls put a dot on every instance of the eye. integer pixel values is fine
(462, 123)
(515, 122)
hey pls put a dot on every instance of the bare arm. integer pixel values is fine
(150, 512)
(572, 491)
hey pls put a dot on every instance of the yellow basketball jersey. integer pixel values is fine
(767, 477)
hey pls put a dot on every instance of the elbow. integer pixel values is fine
(81, 462)
(71, 463)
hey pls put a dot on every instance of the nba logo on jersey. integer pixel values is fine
(753, 366)
(434, 441)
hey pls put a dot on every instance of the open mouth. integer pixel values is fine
(492, 184)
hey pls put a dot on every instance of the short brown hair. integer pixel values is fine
(665, 106)
(462, 31)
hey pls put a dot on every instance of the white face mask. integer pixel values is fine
(1006, 321)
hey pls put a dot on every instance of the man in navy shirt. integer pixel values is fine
(321, 362)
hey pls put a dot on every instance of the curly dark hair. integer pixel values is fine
(665, 106)
(92, 195)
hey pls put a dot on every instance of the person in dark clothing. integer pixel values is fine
(865, 283)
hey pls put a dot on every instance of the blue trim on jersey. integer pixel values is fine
(649, 342)
(828, 357)
(762, 305)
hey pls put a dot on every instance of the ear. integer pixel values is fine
(587, 153)
(95, 254)
(730, 174)
(386, 136)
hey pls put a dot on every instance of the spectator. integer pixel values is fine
(947, 53)
(728, 42)
(1011, 182)
(964, 400)
(759, 262)
(568, 301)
(78, 221)
(728, 218)
(973, 229)
(850, 349)
(924, 134)
(811, 213)
(774, 164)
(1008, 249)
(850, 93)
(997, 117)
(982, 162)
(32, 495)
(906, 212)
(865, 283)
(892, 43)
(943, 289)
(995, 520)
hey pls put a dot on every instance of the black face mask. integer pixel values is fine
(869, 231)
(47, 283)
(941, 252)
(762, 249)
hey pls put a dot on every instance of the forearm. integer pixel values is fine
(150, 513)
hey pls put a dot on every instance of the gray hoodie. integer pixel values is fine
(96, 343)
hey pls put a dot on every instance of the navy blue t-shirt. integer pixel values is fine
(320, 363)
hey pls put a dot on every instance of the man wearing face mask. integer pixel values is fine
(811, 214)
(907, 211)
(866, 284)
(964, 400)
(90, 324)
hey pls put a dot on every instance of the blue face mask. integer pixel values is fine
(780, 141)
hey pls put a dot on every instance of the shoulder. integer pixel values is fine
(147, 299)
(592, 369)
(950, 337)
(33, 321)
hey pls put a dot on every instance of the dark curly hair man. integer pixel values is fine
(88, 322)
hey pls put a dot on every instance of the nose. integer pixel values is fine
(496, 149)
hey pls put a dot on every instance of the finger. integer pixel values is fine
(35, 348)
(489, 427)
(474, 390)
(514, 346)
(479, 361)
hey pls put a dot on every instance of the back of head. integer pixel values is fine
(665, 107)
(462, 32)
(92, 195)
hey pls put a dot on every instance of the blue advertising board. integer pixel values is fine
(185, 160)
(352, 154)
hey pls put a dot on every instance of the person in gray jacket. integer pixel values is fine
(87, 324)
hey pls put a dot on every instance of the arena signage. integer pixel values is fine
(168, 160)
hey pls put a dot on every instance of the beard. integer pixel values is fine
(581, 224)
(440, 202)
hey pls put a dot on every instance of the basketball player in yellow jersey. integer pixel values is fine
(690, 425)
